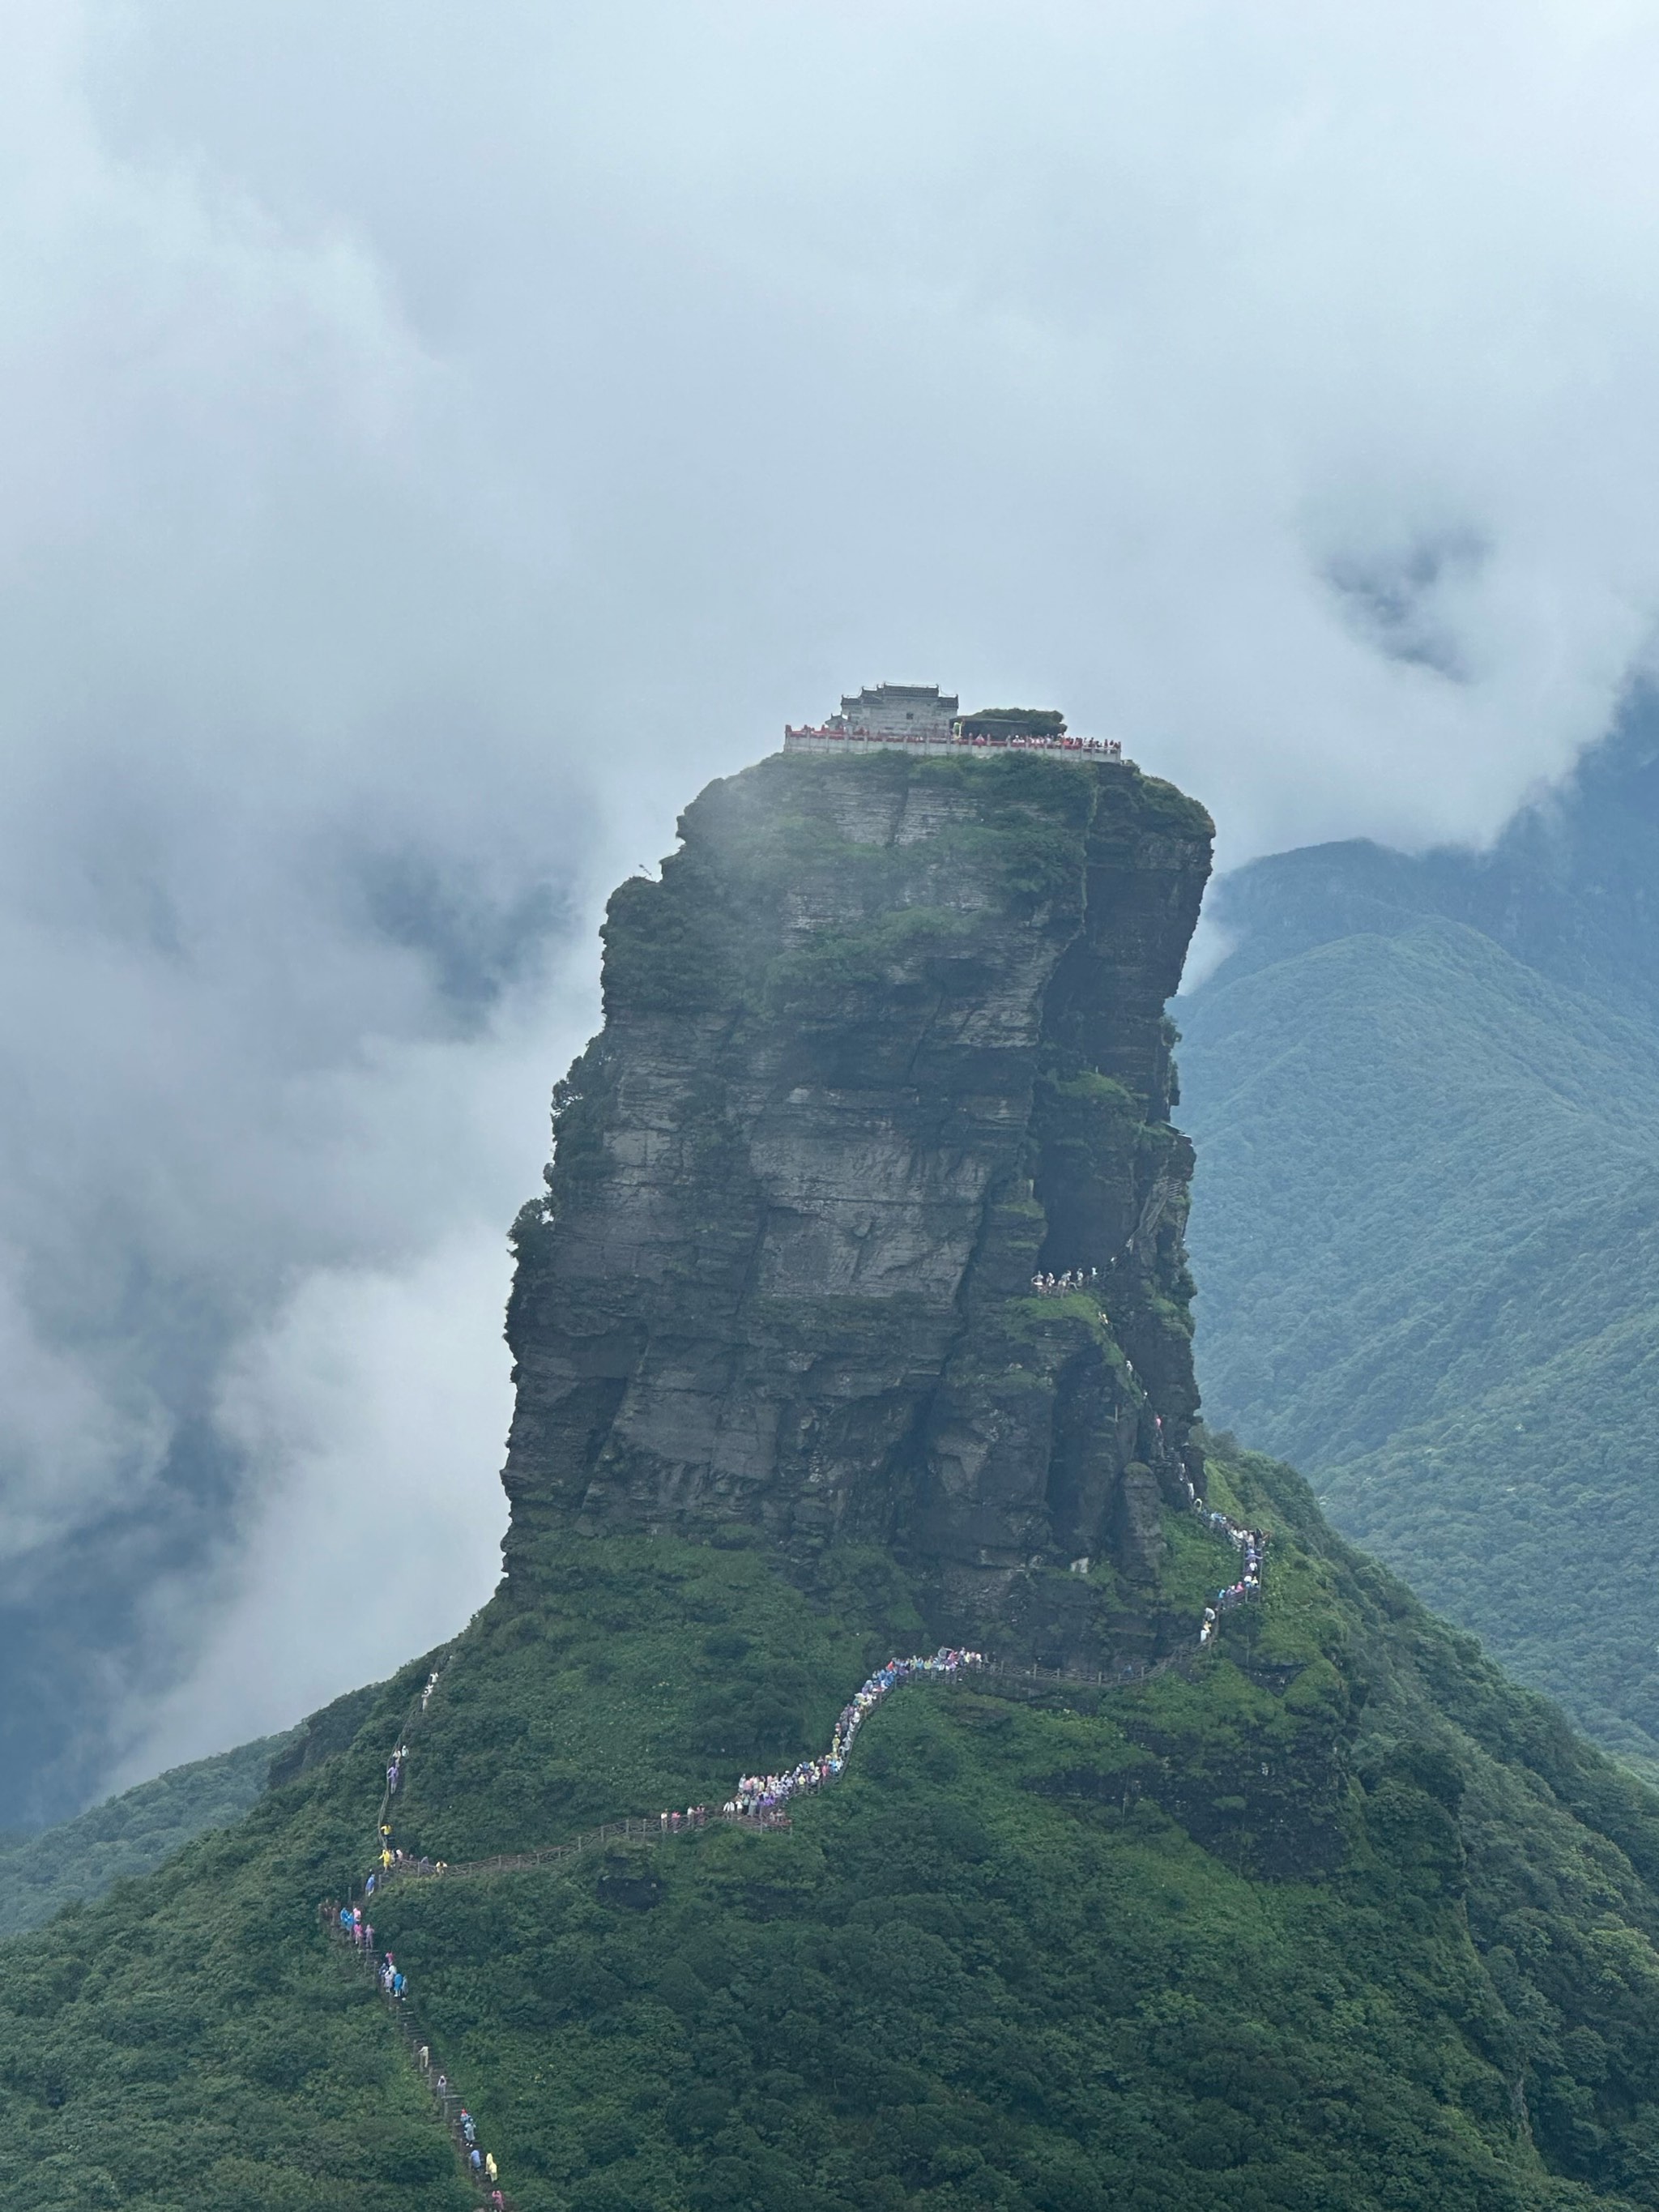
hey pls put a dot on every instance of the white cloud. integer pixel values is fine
(370, 1526)
(75, 1440)
(433, 441)
(1210, 947)
(1058, 351)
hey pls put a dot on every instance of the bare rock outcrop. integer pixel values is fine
(887, 1038)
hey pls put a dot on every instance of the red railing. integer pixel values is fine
(809, 736)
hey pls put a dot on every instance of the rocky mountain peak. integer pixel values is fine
(886, 1041)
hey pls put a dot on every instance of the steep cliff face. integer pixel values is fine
(887, 1037)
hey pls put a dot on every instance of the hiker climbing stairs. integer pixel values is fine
(758, 1803)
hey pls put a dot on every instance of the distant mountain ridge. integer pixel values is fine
(1569, 888)
(127, 1834)
(1424, 1095)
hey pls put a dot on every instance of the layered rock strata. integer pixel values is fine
(887, 1038)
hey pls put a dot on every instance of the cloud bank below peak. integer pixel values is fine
(432, 444)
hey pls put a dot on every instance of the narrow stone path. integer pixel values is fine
(448, 2100)
(758, 1804)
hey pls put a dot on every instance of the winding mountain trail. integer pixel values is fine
(759, 1804)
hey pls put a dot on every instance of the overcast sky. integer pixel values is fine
(435, 440)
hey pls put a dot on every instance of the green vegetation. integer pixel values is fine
(995, 720)
(127, 1834)
(1166, 806)
(1426, 1223)
(1338, 1919)
(185, 2040)
(1329, 1918)
(712, 934)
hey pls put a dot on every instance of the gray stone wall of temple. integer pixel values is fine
(898, 710)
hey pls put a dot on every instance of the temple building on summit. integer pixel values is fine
(896, 710)
(920, 716)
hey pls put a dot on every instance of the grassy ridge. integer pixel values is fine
(1342, 1920)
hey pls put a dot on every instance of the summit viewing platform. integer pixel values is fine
(917, 716)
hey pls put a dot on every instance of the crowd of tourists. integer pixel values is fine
(393, 1861)
(1112, 748)
(481, 2163)
(695, 1816)
(1023, 741)
(757, 1797)
(1062, 1286)
(1250, 1545)
(358, 1931)
(769, 1793)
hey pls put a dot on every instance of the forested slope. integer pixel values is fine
(1339, 1919)
(127, 1834)
(1426, 1222)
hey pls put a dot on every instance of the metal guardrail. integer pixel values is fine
(1135, 1670)
(630, 1831)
